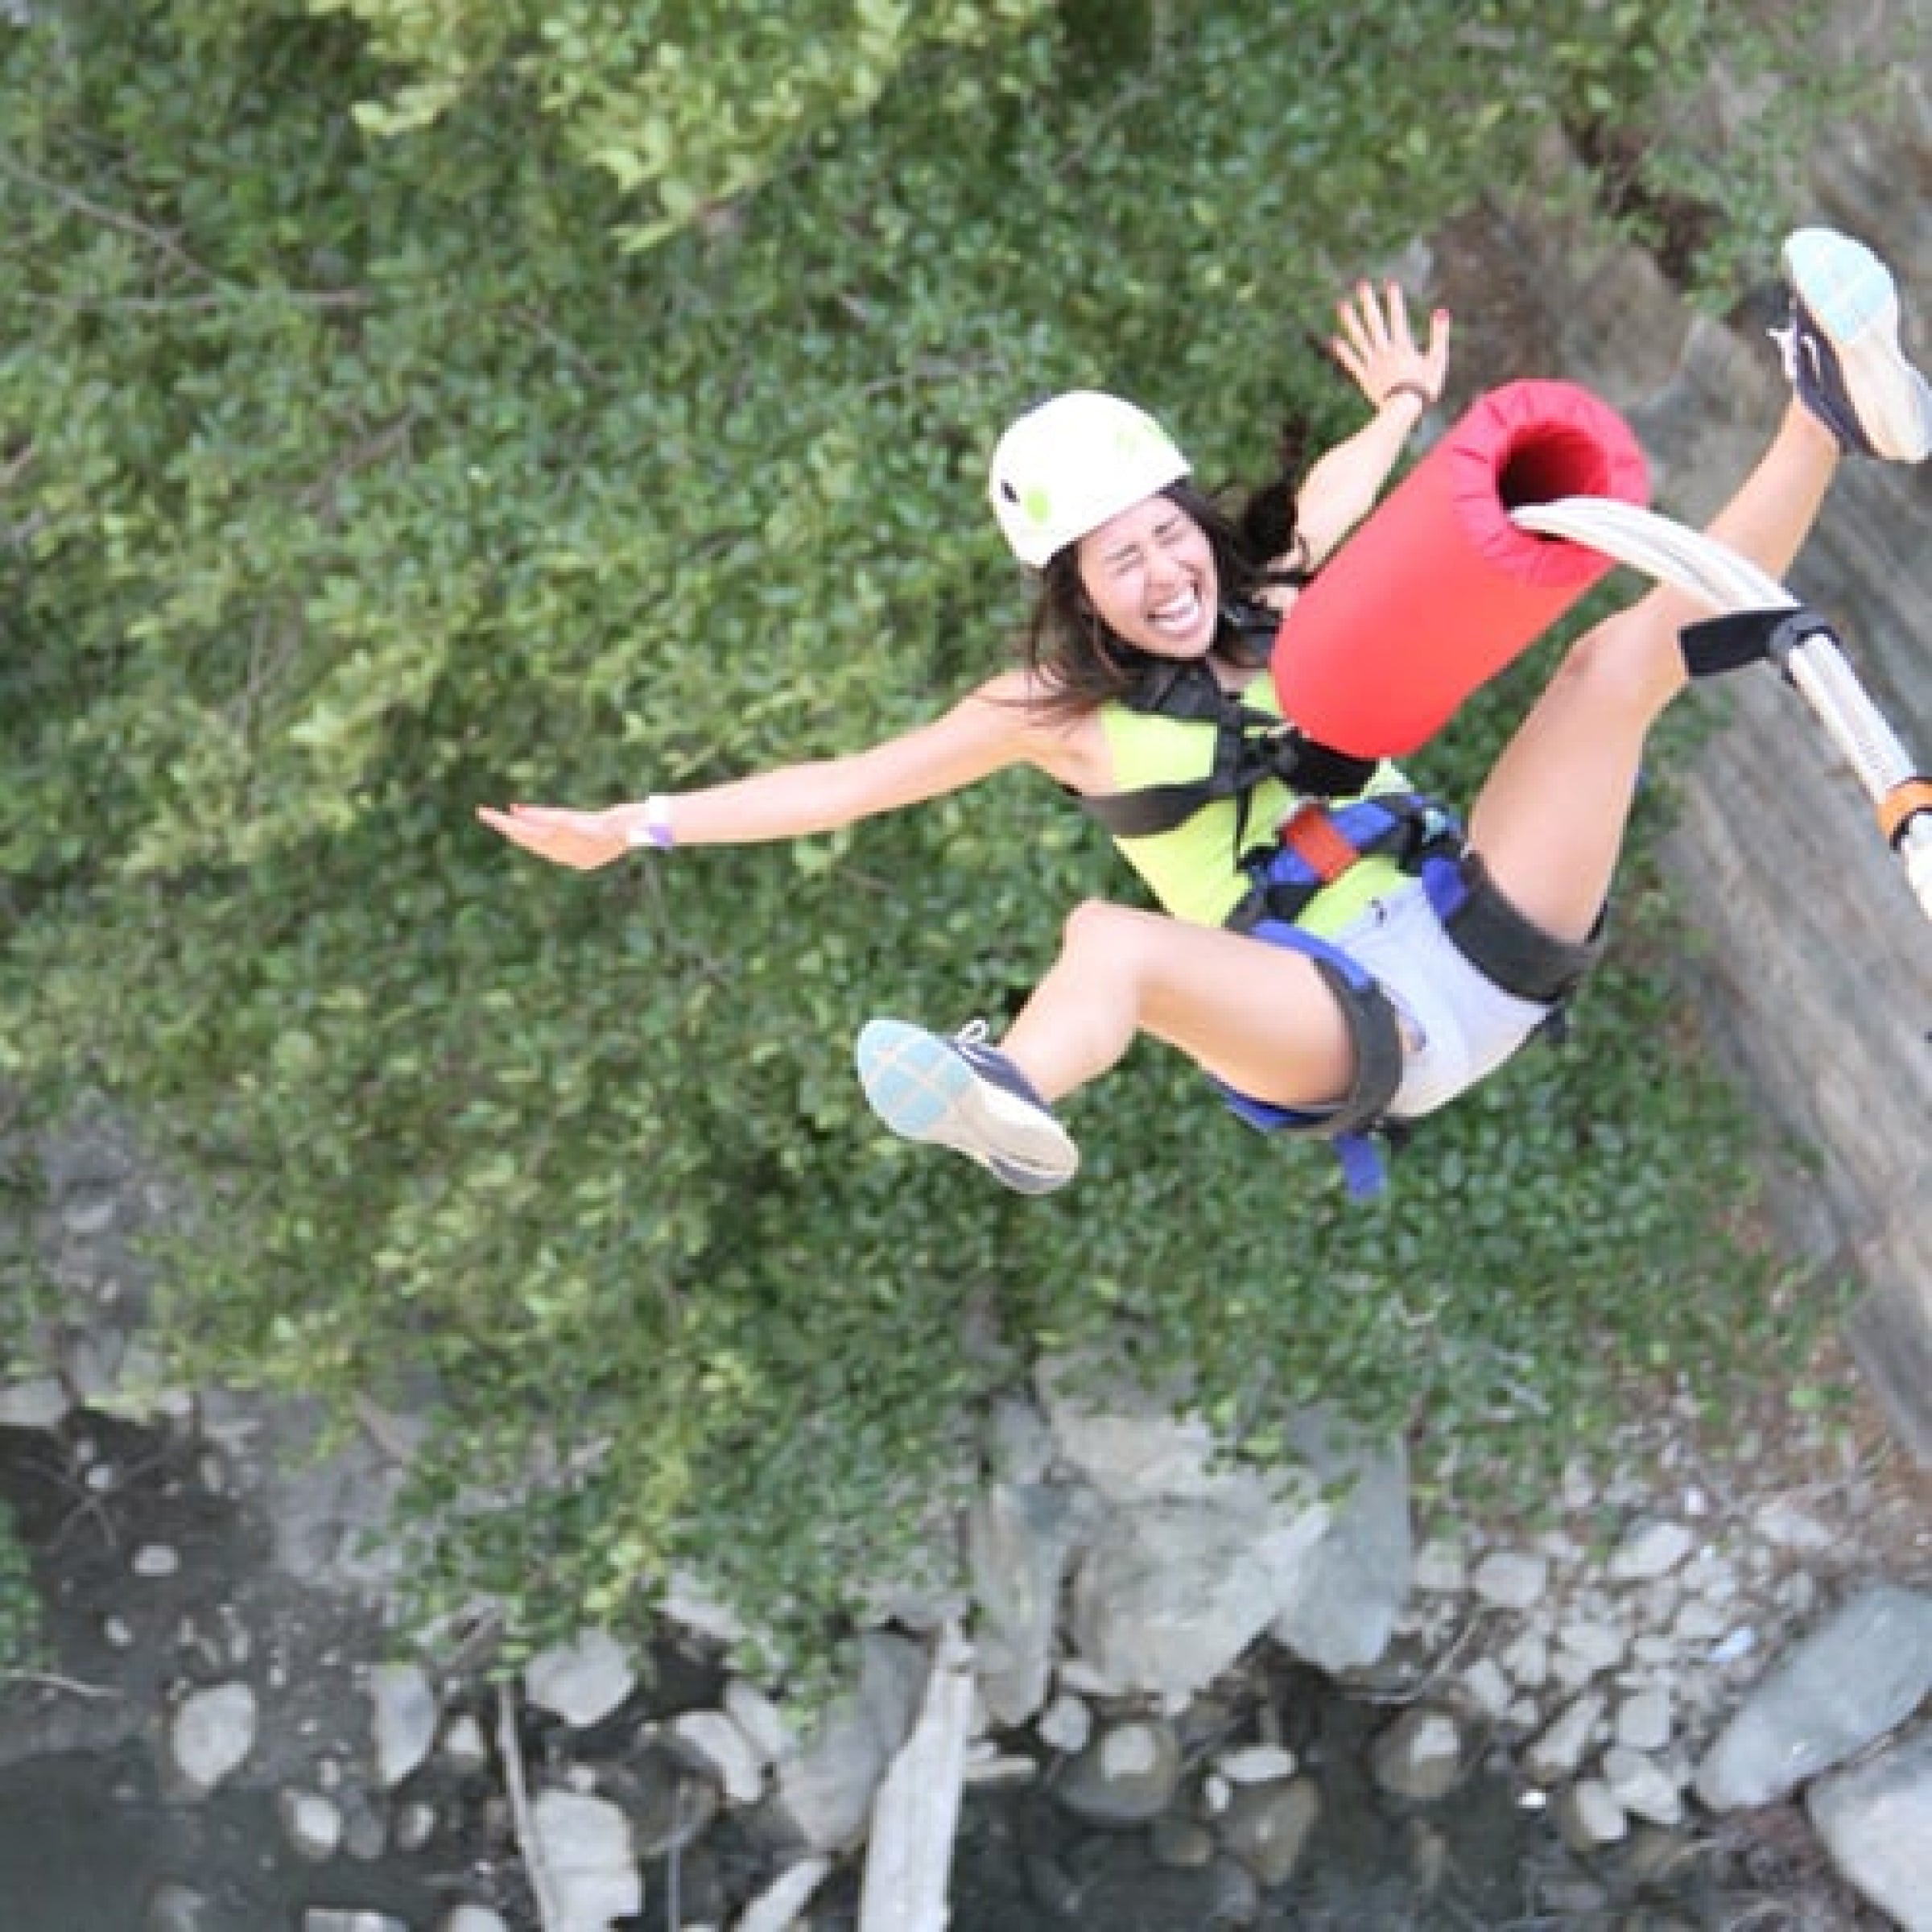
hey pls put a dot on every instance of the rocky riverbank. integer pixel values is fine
(1199, 1695)
(1305, 1722)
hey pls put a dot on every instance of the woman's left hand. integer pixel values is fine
(1378, 348)
(583, 840)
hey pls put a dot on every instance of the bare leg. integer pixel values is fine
(1259, 1017)
(1551, 819)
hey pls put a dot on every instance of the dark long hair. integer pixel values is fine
(1082, 664)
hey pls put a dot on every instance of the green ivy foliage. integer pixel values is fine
(406, 406)
(22, 1638)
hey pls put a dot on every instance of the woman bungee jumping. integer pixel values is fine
(1339, 954)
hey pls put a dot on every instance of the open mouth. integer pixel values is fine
(1179, 615)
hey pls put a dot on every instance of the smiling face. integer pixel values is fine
(1150, 574)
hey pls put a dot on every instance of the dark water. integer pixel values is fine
(1476, 1860)
(85, 1841)
(86, 1838)
(1371, 1863)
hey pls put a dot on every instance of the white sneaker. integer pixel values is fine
(961, 1093)
(1841, 348)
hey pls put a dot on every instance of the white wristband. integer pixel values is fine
(652, 826)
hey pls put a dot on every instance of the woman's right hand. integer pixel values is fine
(583, 840)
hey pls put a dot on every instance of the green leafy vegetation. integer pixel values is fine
(402, 408)
(21, 1644)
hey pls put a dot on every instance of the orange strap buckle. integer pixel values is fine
(1312, 836)
(1904, 801)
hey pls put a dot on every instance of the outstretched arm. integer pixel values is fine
(987, 730)
(1400, 380)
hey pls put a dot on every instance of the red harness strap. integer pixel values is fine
(1313, 836)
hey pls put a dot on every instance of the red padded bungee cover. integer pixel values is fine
(1437, 590)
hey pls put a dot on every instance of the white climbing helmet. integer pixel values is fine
(1065, 466)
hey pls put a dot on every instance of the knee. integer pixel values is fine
(1630, 665)
(1097, 930)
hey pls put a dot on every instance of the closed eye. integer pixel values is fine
(1165, 534)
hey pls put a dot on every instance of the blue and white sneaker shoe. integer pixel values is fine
(1841, 348)
(962, 1093)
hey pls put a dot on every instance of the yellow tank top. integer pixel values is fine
(1192, 870)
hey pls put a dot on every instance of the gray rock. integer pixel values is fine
(668, 1803)
(1171, 1593)
(329, 1515)
(726, 1751)
(1511, 1580)
(173, 1907)
(761, 1721)
(1847, 1683)
(1441, 1569)
(1595, 1646)
(688, 1601)
(1698, 1621)
(826, 1787)
(1420, 1755)
(36, 1404)
(1020, 1538)
(1126, 1776)
(1266, 1828)
(464, 1747)
(1066, 1724)
(1781, 1522)
(1642, 1786)
(1876, 1821)
(1127, 1447)
(1526, 1658)
(1649, 1550)
(1557, 1754)
(1487, 1689)
(212, 1733)
(473, 1919)
(364, 1826)
(330, 1918)
(1255, 1764)
(777, 1908)
(1019, 1446)
(403, 1716)
(415, 1826)
(312, 1825)
(585, 1843)
(1643, 1721)
(582, 1682)
(1346, 1592)
(1589, 1816)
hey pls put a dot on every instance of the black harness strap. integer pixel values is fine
(1352, 1123)
(1507, 948)
(1249, 746)
(1504, 946)
(1716, 645)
